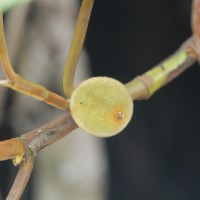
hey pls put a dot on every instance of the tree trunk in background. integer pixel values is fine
(39, 36)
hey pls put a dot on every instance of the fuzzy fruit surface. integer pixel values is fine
(101, 106)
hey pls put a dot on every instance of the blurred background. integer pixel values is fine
(157, 155)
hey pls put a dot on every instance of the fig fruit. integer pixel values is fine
(101, 106)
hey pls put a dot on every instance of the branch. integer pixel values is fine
(196, 25)
(22, 85)
(22, 150)
(12, 149)
(49, 133)
(144, 86)
(22, 177)
(76, 46)
(37, 139)
(196, 18)
(7, 67)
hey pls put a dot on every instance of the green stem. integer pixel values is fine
(144, 86)
(76, 46)
(7, 67)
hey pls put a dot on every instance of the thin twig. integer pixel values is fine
(22, 85)
(22, 177)
(196, 18)
(76, 46)
(7, 67)
(196, 25)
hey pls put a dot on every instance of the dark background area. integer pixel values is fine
(157, 156)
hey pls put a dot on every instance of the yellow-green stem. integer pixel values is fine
(144, 86)
(3, 52)
(36, 91)
(76, 46)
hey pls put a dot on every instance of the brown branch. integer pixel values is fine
(22, 177)
(12, 149)
(37, 139)
(49, 133)
(34, 141)
(196, 18)
(196, 25)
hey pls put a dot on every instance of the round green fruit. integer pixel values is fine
(101, 106)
